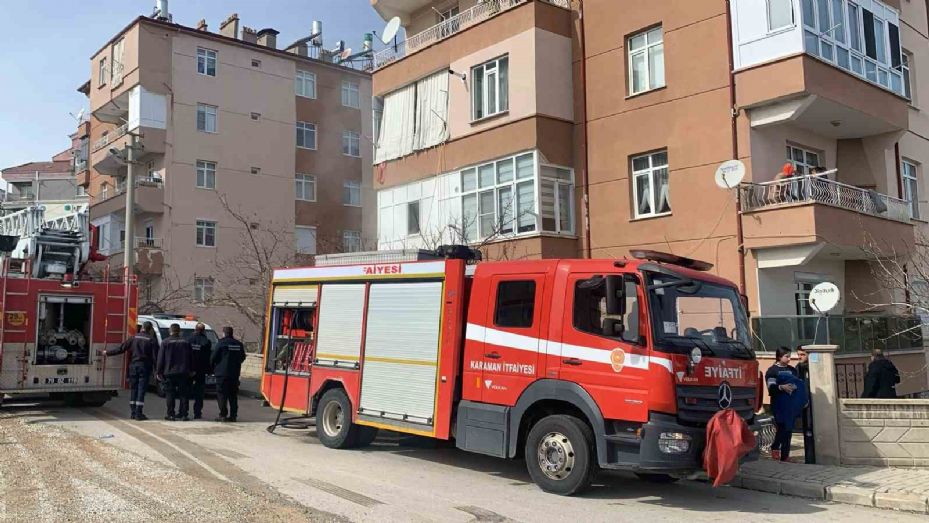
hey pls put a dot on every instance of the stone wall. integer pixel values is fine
(884, 432)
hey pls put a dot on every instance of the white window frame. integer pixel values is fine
(351, 241)
(909, 171)
(206, 57)
(303, 80)
(203, 228)
(654, 193)
(116, 64)
(646, 52)
(560, 186)
(793, 16)
(208, 111)
(304, 184)
(506, 222)
(311, 230)
(203, 289)
(351, 193)
(307, 128)
(351, 94)
(906, 59)
(351, 144)
(206, 174)
(102, 72)
(803, 166)
(487, 70)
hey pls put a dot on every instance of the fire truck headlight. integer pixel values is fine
(673, 442)
(696, 355)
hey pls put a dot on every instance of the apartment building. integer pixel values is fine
(248, 156)
(589, 128)
(50, 184)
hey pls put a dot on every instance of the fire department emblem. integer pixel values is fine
(617, 359)
(15, 319)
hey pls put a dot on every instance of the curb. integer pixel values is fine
(845, 494)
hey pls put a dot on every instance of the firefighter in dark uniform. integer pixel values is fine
(201, 347)
(142, 349)
(175, 367)
(227, 364)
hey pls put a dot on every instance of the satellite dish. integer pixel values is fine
(345, 54)
(730, 174)
(390, 30)
(824, 297)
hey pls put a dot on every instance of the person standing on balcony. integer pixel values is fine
(882, 377)
(789, 190)
(782, 381)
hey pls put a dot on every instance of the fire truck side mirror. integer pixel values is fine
(615, 296)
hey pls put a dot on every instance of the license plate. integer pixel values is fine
(211, 380)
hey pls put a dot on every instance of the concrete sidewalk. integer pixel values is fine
(880, 487)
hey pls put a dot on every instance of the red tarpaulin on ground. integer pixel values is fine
(728, 438)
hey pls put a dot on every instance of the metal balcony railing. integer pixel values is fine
(820, 189)
(853, 334)
(142, 242)
(111, 137)
(482, 11)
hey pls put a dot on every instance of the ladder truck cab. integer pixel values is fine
(53, 318)
(575, 364)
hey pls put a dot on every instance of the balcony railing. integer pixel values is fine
(820, 189)
(111, 137)
(449, 27)
(853, 334)
(142, 242)
(120, 188)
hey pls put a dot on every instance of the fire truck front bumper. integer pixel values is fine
(668, 447)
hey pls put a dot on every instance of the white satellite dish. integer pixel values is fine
(345, 54)
(730, 174)
(390, 30)
(824, 297)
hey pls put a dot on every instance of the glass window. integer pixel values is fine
(102, 72)
(651, 184)
(206, 118)
(351, 143)
(906, 58)
(489, 89)
(351, 194)
(351, 96)
(911, 186)
(838, 30)
(351, 241)
(780, 14)
(306, 187)
(203, 289)
(412, 218)
(306, 135)
(305, 84)
(206, 174)
(854, 27)
(803, 160)
(646, 61)
(590, 310)
(306, 239)
(206, 233)
(515, 304)
(206, 61)
(556, 198)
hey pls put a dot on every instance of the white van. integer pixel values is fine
(188, 324)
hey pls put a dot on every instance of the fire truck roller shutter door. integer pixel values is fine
(293, 295)
(402, 351)
(340, 318)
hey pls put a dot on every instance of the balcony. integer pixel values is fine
(446, 29)
(149, 198)
(149, 256)
(814, 210)
(854, 334)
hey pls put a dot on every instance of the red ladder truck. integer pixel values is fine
(53, 318)
(577, 365)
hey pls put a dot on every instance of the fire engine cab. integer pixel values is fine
(53, 318)
(575, 364)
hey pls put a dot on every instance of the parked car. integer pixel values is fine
(187, 323)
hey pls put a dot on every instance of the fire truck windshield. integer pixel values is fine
(688, 313)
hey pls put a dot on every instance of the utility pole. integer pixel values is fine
(129, 236)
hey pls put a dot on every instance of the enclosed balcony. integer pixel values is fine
(149, 198)
(853, 334)
(135, 112)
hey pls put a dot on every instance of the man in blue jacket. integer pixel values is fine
(175, 368)
(227, 365)
(142, 349)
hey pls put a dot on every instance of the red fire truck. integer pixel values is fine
(577, 365)
(54, 319)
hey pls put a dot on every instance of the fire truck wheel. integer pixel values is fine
(560, 454)
(656, 478)
(334, 425)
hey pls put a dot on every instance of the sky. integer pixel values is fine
(47, 45)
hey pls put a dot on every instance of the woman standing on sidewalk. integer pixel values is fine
(779, 392)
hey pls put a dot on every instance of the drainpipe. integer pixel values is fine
(586, 249)
(734, 124)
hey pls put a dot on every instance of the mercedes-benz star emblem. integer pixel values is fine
(725, 396)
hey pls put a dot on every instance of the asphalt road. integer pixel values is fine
(241, 472)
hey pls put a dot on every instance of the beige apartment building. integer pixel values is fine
(547, 128)
(250, 156)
